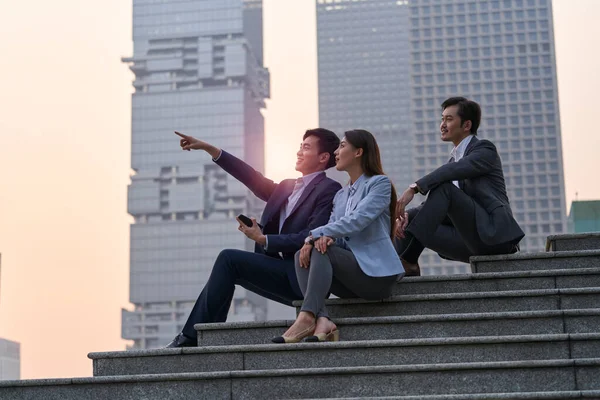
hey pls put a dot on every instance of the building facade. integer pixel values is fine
(198, 70)
(584, 216)
(10, 360)
(363, 62)
(499, 53)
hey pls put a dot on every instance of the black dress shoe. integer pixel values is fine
(182, 341)
(411, 269)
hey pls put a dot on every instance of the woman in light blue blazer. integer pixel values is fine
(353, 255)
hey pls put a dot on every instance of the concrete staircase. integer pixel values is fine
(524, 326)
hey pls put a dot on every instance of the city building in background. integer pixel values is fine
(10, 352)
(499, 53)
(10, 360)
(199, 70)
(584, 216)
(363, 62)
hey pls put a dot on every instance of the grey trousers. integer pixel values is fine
(337, 272)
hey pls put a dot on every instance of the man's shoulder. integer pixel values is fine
(483, 143)
(331, 183)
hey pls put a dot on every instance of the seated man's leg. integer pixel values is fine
(446, 241)
(408, 248)
(402, 243)
(457, 241)
(259, 273)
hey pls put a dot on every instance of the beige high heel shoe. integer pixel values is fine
(295, 339)
(332, 336)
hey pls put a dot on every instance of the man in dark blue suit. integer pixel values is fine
(294, 207)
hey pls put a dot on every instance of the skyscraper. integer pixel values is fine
(198, 69)
(584, 216)
(363, 61)
(499, 53)
(10, 360)
(10, 353)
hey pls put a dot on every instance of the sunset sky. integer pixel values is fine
(65, 156)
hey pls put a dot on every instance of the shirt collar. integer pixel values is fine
(459, 150)
(354, 185)
(306, 179)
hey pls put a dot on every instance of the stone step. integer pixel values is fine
(573, 242)
(563, 395)
(347, 354)
(536, 261)
(415, 326)
(500, 281)
(415, 380)
(458, 303)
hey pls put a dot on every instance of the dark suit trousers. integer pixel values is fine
(446, 224)
(259, 273)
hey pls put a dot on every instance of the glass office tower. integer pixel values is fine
(10, 360)
(363, 61)
(499, 53)
(198, 70)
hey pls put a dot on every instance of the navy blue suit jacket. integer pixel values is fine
(312, 210)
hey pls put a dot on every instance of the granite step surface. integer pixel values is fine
(565, 395)
(415, 380)
(499, 281)
(458, 303)
(536, 261)
(347, 354)
(537, 322)
(573, 242)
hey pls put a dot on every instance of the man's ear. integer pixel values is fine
(324, 157)
(467, 125)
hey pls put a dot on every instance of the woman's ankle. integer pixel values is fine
(305, 318)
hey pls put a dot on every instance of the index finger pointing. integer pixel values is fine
(181, 135)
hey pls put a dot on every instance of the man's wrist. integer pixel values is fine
(214, 152)
(415, 188)
(309, 240)
(262, 240)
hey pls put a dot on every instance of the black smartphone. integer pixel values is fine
(247, 221)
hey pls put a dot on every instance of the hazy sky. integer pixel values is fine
(65, 153)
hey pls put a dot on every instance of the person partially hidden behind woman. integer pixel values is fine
(353, 255)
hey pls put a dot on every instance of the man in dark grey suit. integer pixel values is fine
(467, 211)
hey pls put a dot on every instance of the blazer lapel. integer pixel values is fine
(307, 191)
(279, 202)
(357, 197)
(472, 143)
(474, 140)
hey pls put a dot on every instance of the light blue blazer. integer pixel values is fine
(366, 229)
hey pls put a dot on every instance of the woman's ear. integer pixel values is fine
(359, 152)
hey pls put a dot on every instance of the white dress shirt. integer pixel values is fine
(459, 151)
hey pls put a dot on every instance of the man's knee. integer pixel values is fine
(412, 213)
(229, 257)
(443, 189)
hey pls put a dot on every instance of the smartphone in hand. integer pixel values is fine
(247, 221)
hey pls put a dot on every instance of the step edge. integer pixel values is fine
(354, 344)
(363, 370)
(406, 318)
